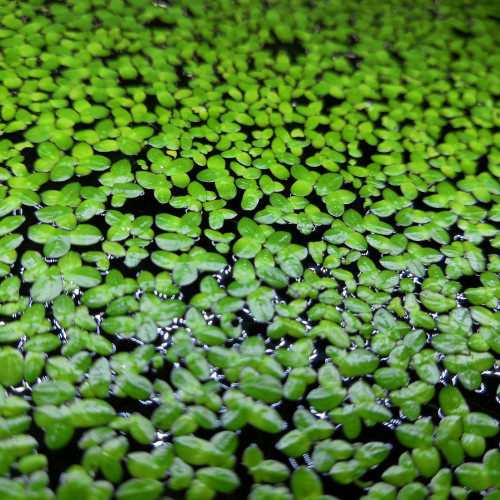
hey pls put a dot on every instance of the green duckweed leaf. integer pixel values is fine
(174, 242)
(135, 386)
(210, 261)
(372, 454)
(436, 302)
(273, 276)
(53, 392)
(294, 444)
(136, 489)
(128, 146)
(59, 432)
(11, 366)
(358, 362)
(473, 476)
(270, 471)
(38, 133)
(10, 223)
(452, 402)
(97, 297)
(85, 235)
(47, 286)
(480, 424)
(260, 303)
(142, 465)
(346, 472)
(91, 412)
(326, 398)
(222, 480)
(306, 484)
(84, 276)
(141, 429)
(265, 418)
(145, 327)
(264, 387)
(414, 436)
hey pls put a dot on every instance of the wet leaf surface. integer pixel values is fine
(249, 250)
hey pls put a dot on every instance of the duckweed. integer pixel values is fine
(249, 250)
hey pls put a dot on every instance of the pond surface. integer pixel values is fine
(249, 250)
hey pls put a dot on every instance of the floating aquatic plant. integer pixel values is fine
(249, 250)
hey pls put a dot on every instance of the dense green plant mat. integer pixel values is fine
(249, 250)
